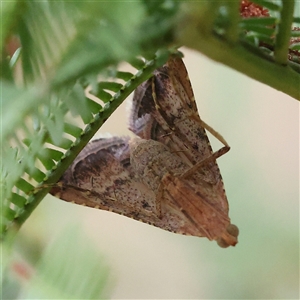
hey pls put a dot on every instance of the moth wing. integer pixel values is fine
(165, 109)
(141, 122)
(175, 105)
(101, 177)
(146, 121)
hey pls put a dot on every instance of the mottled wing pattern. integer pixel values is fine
(102, 177)
(193, 200)
(164, 109)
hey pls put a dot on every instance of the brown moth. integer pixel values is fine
(164, 110)
(170, 177)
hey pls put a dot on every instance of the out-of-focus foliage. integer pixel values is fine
(81, 273)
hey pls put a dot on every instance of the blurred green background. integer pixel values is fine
(261, 176)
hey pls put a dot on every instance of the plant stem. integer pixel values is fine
(241, 56)
(232, 32)
(282, 78)
(282, 40)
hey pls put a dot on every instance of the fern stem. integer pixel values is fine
(282, 40)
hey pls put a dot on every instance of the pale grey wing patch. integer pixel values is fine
(143, 126)
(112, 144)
(144, 120)
(140, 122)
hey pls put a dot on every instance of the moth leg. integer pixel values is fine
(54, 186)
(203, 162)
(216, 134)
(211, 158)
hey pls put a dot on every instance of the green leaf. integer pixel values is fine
(104, 96)
(18, 200)
(77, 95)
(72, 129)
(112, 86)
(24, 186)
(295, 46)
(263, 21)
(124, 75)
(36, 174)
(8, 214)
